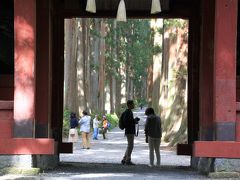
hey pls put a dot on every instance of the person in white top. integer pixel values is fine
(84, 123)
(95, 127)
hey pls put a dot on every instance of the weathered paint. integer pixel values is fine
(225, 61)
(6, 119)
(23, 146)
(24, 72)
(216, 149)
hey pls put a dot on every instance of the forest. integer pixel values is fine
(108, 62)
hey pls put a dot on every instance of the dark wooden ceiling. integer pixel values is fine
(135, 8)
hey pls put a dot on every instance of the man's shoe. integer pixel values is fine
(130, 163)
(123, 162)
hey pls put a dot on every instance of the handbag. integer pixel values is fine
(72, 132)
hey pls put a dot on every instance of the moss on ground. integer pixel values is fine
(24, 171)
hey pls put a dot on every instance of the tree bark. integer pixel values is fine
(157, 60)
(70, 65)
(95, 69)
(80, 67)
(102, 69)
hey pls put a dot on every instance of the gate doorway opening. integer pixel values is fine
(106, 63)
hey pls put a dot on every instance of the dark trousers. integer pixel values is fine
(104, 131)
(128, 153)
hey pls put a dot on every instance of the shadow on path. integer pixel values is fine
(113, 148)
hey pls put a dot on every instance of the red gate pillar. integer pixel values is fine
(225, 69)
(223, 91)
(24, 73)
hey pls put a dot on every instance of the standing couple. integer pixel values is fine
(84, 123)
(152, 130)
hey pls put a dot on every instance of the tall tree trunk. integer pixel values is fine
(87, 64)
(70, 65)
(67, 56)
(127, 72)
(80, 67)
(157, 60)
(111, 94)
(118, 84)
(95, 69)
(85, 59)
(150, 73)
(102, 68)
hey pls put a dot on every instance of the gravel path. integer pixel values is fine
(113, 148)
(102, 161)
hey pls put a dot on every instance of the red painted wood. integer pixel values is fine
(217, 149)
(4, 105)
(6, 119)
(6, 129)
(22, 146)
(6, 115)
(24, 57)
(225, 60)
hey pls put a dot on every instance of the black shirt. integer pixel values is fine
(129, 122)
(153, 126)
(73, 123)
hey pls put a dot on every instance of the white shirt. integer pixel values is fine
(95, 123)
(84, 123)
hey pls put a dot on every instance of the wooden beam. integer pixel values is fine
(216, 149)
(24, 146)
(6, 105)
(135, 8)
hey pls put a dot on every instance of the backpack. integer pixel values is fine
(121, 123)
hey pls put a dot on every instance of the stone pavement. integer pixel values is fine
(102, 161)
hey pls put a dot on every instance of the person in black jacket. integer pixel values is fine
(129, 124)
(73, 133)
(153, 132)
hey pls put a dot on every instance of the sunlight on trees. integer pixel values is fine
(108, 62)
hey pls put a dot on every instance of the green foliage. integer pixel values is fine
(113, 119)
(139, 102)
(66, 122)
(177, 23)
(133, 43)
(120, 109)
